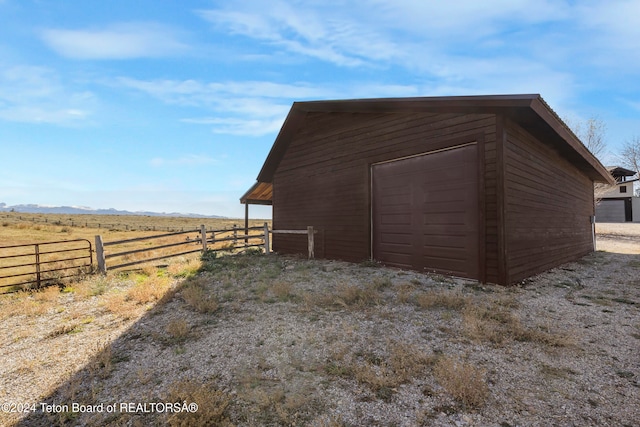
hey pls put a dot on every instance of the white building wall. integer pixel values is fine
(615, 192)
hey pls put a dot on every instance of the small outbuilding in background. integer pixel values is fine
(619, 203)
(493, 188)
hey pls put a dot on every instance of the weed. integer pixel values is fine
(405, 292)
(454, 300)
(208, 256)
(495, 323)
(282, 290)
(148, 290)
(212, 404)
(178, 331)
(198, 298)
(65, 329)
(369, 263)
(381, 283)
(102, 364)
(551, 372)
(461, 380)
(117, 303)
(354, 296)
(48, 294)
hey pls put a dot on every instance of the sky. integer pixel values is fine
(167, 106)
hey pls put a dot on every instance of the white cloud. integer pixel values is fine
(118, 41)
(35, 95)
(318, 32)
(254, 108)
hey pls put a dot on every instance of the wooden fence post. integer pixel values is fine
(203, 236)
(310, 241)
(266, 238)
(102, 263)
(235, 235)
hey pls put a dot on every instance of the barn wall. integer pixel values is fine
(548, 204)
(323, 179)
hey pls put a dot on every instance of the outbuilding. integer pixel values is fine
(493, 188)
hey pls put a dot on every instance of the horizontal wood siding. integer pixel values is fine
(323, 179)
(548, 207)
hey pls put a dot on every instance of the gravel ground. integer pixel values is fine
(324, 343)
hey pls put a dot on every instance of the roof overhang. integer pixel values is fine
(528, 110)
(261, 193)
(620, 171)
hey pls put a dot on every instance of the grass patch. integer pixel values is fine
(148, 290)
(282, 290)
(464, 381)
(178, 331)
(453, 300)
(494, 322)
(70, 328)
(383, 373)
(212, 404)
(195, 294)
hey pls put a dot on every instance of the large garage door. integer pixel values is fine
(425, 212)
(610, 211)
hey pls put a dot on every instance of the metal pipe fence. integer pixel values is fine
(44, 263)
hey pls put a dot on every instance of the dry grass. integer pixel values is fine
(383, 373)
(453, 300)
(16, 231)
(496, 323)
(461, 380)
(102, 364)
(340, 346)
(282, 290)
(149, 289)
(212, 404)
(117, 303)
(195, 294)
(178, 330)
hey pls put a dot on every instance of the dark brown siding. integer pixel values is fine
(323, 179)
(548, 203)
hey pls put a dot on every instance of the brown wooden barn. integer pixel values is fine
(493, 188)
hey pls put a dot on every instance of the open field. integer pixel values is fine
(17, 228)
(256, 340)
(20, 228)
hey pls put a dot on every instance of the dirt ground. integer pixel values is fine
(618, 237)
(277, 341)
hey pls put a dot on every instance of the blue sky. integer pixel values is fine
(173, 106)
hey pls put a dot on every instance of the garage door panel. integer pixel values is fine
(444, 241)
(395, 219)
(610, 211)
(397, 238)
(432, 223)
(396, 259)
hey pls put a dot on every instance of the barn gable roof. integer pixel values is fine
(528, 110)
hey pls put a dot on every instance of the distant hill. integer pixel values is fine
(79, 210)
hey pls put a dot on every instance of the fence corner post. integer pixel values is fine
(203, 236)
(266, 238)
(310, 241)
(100, 258)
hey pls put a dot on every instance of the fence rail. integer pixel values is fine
(48, 261)
(206, 239)
(42, 263)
